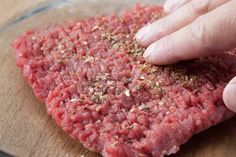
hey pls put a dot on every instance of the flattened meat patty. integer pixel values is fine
(96, 85)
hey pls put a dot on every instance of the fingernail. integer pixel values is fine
(142, 33)
(229, 95)
(149, 51)
(171, 5)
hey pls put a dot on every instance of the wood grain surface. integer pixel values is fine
(27, 131)
(11, 8)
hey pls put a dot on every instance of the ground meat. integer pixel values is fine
(98, 88)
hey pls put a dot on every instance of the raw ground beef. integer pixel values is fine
(98, 88)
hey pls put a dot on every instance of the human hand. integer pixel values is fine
(192, 29)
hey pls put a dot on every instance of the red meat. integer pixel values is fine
(98, 88)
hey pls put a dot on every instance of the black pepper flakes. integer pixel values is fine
(62, 61)
(144, 107)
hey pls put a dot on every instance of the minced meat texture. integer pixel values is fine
(96, 85)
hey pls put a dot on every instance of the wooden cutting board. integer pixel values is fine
(27, 130)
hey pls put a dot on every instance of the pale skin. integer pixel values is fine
(192, 28)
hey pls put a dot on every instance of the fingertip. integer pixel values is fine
(229, 95)
(158, 54)
(142, 35)
(148, 54)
